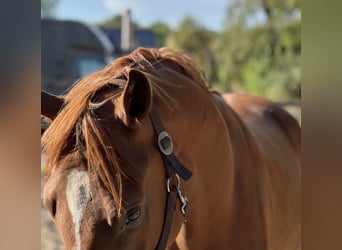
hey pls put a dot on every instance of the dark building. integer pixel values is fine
(141, 38)
(126, 39)
(71, 50)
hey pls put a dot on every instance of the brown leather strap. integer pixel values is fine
(169, 209)
(171, 163)
(173, 167)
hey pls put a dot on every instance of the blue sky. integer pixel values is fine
(210, 13)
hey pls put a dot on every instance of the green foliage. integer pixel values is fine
(161, 31)
(115, 22)
(264, 57)
(258, 50)
(193, 38)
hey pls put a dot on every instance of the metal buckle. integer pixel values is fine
(165, 143)
(177, 183)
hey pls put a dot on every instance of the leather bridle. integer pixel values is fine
(173, 170)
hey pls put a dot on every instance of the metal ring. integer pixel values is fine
(168, 183)
(169, 148)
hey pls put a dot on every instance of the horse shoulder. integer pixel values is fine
(249, 107)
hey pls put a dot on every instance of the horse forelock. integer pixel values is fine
(77, 127)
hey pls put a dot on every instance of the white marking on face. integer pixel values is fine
(78, 194)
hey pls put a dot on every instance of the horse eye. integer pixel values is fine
(133, 214)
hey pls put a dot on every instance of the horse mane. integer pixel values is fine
(77, 129)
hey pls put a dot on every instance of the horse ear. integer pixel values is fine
(135, 101)
(50, 104)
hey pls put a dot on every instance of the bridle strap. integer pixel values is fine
(171, 163)
(169, 209)
(173, 167)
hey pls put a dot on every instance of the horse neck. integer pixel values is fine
(225, 181)
(247, 218)
(214, 143)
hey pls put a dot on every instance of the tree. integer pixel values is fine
(259, 49)
(47, 7)
(193, 38)
(161, 31)
(115, 22)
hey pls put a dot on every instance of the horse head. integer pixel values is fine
(106, 186)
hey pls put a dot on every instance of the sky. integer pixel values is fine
(209, 13)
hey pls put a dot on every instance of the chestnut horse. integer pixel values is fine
(142, 155)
